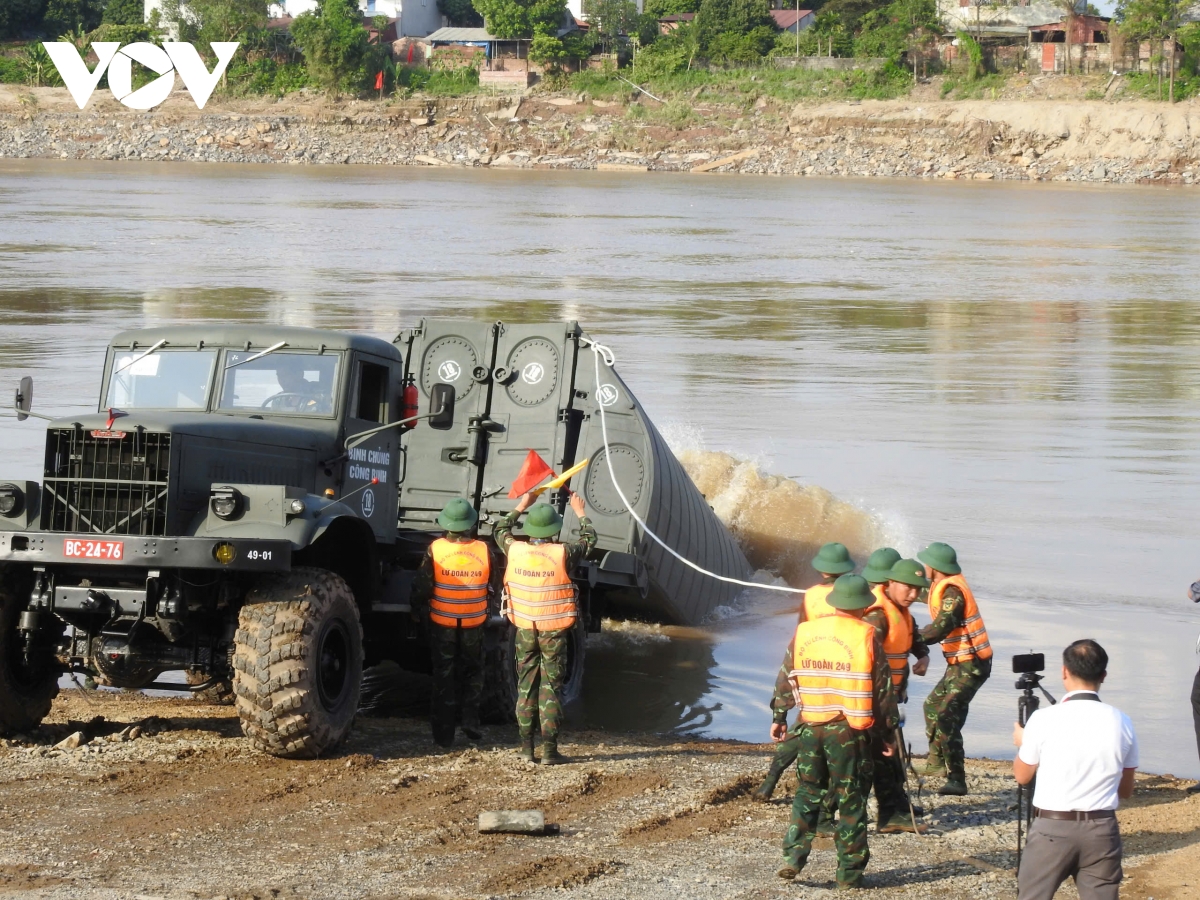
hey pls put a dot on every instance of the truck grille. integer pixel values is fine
(106, 485)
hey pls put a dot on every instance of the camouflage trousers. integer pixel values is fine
(946, 710)
(541, 666)
(888, 778)
(457, 658)
(834, 760)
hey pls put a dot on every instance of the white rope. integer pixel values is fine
(598, 351)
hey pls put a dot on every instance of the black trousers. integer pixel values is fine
(1196, 709)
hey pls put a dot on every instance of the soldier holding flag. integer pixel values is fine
(541, 601)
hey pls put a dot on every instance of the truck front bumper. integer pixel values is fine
(135, 551)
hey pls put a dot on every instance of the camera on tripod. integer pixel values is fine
(1029, 666)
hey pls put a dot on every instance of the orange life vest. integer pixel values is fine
(815, 606)
(970, 640)
(540, 592)
(460, 583)
(833, 659)
(899, 637)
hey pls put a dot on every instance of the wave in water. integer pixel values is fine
(780, 523)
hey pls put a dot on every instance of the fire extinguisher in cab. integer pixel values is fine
(411, 399)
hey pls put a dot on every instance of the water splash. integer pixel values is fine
(780, 523)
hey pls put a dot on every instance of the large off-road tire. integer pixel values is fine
(218, 694)
(26, 690)
(500, 673)
(297, 663)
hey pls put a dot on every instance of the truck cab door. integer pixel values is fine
(369, 484)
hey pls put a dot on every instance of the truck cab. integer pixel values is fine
(219, 459)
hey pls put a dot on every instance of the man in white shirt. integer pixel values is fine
(1084, 753)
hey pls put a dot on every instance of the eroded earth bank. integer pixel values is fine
(1032, 137)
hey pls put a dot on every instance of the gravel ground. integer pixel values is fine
(1021, 139)
(185, 809)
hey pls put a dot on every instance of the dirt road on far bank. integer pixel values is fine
(187, 810)
(1030, 139)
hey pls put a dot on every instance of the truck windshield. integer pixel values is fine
(164, 379)
(288, 383)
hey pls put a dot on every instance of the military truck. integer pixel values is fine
(249, 504)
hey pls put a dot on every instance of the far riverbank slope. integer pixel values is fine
(1042, 135)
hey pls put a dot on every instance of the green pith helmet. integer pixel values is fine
(879, 564)
(941, 558)
(458, 516)
(833, 559)
(850, 592)
(543, 521)
(910, 572)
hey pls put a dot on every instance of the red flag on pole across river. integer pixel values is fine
(379, 82)
(533, 472)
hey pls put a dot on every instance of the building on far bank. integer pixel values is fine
(986, 18)
(793, 20)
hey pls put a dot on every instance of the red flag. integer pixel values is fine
(379, 82)
(410, 49)
(533, 472)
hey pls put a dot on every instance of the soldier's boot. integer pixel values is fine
(899, 823)
(955, 786)
(550, 754)
(853, 884)
(788, 872)
(526, 749)
(934, 764)
(767, 788)
(470, 727)
(443, 734)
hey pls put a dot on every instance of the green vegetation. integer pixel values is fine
(981, 87)
(521, 18)
(1156, 21)
(336, 49)
(726, 54)
(743, 86)
(437, 82)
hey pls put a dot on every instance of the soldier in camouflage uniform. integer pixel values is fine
(834, 744)
(832, 560)
(958, 626)
(455, 639)
(899, 586)
(541, 654)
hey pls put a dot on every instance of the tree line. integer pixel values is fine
(331, 48)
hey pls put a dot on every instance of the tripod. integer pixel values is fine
(1027, 705)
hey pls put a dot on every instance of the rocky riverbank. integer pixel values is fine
(1026, 140)
(119, 796)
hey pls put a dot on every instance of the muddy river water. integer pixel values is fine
(1014, 369)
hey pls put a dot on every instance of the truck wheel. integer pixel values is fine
(219, 694)
(26, 690)
(500, 673)
(297, 663)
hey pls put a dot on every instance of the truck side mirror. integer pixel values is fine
(441, 407)
(23, 402)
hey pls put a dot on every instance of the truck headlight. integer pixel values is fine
(295, 507)
(12, 500)
(226, 503)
